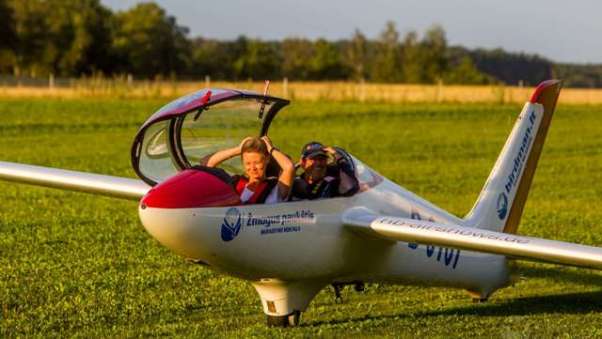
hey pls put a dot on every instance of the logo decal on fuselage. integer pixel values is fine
(235, 221)
(232, 224)
(502, 206)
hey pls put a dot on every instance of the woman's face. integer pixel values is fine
(254, 164)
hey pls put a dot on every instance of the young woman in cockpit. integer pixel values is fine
(254, 187)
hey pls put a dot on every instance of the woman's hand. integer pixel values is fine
(220, 156)
(287, 175)
(268, 143)
(242, 144)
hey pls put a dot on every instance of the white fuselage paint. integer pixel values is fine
(306, 241)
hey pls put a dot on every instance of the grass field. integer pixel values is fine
(73, 264)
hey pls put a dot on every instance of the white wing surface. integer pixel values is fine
(117, 187)
(474, 239)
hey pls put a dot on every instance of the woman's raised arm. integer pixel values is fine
(220, 156)
(285, 180)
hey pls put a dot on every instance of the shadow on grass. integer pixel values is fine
(561, 273)
(572, 303)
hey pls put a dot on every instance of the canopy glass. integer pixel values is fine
(186, 131)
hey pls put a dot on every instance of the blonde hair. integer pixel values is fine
(255, 145)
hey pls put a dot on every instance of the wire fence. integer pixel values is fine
(128, 87)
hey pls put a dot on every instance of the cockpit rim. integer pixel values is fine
(174, 143)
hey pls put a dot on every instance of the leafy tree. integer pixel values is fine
(238, 47)
(75, 37)
(356, 55)
(434, 45)
(150, 42)
(260, 60)
(574, 75)
(466, 73)
(512, 68)
(63, 36)
(213, 58)
(80, 36)
(31, 30)
(387, 62)
(326, 62)
(296, 56)
(412, 59)
(8, 36)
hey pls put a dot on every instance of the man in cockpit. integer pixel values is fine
(327, 173)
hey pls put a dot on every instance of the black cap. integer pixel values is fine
(313, 149)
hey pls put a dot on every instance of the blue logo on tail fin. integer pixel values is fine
(502, 206)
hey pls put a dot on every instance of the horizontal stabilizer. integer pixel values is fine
(473, 239)
(117, 187)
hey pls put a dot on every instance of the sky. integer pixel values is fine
(563, 31)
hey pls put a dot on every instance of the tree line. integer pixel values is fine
(72, 38)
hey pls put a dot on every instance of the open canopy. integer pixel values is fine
(195, 126)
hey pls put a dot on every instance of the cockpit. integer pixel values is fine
(195, 126)
(180, 135)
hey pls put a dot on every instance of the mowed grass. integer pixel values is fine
(73, 264)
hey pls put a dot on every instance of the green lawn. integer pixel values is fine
(73, 264)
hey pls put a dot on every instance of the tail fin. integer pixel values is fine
(501, 202)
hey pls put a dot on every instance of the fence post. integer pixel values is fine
(439, 95)
(173, 78)
(207, 81)
(285, 87)
(362, 90)
(51, 80)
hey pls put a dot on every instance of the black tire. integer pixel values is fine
(359, 287)
(290, 320)
(294, 319)
(277, 320)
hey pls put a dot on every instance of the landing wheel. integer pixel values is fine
(284, 320)
(359, 287)
(478, 297)
(294, 318)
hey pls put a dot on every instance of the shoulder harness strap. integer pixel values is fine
(261, 191)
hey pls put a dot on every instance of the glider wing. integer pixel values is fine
(473, 239)
(117, 187)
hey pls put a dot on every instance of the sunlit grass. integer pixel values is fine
(77, 264)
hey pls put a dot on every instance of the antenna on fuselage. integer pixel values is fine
(265, 99)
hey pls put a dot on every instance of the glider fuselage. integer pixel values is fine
(306, 240)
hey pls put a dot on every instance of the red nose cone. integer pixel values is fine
(191, 188)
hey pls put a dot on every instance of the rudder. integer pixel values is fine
(501, 202)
